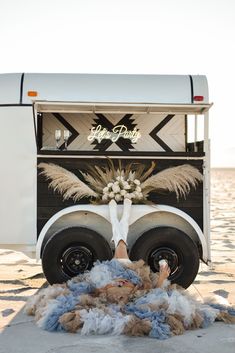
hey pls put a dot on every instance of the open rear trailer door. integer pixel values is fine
(152, 121)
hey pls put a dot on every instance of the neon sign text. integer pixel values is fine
(100, 133)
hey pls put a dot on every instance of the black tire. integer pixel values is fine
(172, 244)
(72, 251)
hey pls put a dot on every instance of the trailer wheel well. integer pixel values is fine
(164, 219)
(85, 219)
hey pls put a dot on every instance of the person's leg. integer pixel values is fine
(120, 229)
(124, 222)
(121, 251)
(120, 232)
(115, 222)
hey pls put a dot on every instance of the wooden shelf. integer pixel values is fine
(120, 153)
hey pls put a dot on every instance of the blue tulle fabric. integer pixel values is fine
(78, 288)
(160, 329)
(115, 317)
(55, 308)
(116, 270)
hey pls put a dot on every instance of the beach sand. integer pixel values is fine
(21, 277)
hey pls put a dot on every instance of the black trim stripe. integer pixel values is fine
(35, 128)
(16, 105)
(154, 132)
(186, 130)
(122, 154)
(40, 129)
(191, 85)
(21, 88)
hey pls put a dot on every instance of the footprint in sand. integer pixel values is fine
(221, 292)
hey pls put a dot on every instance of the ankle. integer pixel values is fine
(122, 243)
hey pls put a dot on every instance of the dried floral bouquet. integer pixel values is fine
(134, 181)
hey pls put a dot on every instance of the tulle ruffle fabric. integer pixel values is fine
(115, 298)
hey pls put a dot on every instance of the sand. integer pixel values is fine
(21, 277)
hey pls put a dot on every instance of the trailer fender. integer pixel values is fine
(147, 217)
(140, 221)
(98, 215)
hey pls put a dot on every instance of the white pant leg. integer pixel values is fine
(124, 223)
(115, 222)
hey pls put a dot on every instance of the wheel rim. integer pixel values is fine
(174, 260)
(75, 260)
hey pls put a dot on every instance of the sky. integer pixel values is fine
(132, 37)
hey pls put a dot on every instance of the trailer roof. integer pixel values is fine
(100, 88)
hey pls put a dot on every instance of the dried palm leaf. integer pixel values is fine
(111, 165)
(106, 175)
(65, 182)
(103, 175)
(139, 170)
(95, 183)
(128, 168)
(148, 172)
(119, 165)
(176, 179)
(93, 172)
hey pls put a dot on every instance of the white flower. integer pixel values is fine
(123, 192)
(105, 190)
(116, 188)
(138, 189)
(105, 197)
(118, 197)
(110, 185)
(126, 186)
(128, 196)
(111, 195)
(137, 182)
(139, 196)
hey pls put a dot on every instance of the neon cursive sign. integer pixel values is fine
(100, 133)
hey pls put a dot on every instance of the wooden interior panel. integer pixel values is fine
(159, 132)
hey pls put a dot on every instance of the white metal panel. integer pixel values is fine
(109, 88)
(206, 184)
(10, 88)
(18, 176)
(200, 88)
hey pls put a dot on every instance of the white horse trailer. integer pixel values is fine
(169, 112)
